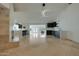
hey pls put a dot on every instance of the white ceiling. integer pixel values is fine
(31, 12)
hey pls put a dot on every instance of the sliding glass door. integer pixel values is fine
(37, 33)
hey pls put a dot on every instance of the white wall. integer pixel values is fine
(33, 17)
(11, 21)
(69, 21)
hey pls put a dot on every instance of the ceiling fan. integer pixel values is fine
(44, 10)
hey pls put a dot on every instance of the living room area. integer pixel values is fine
(39, 29)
